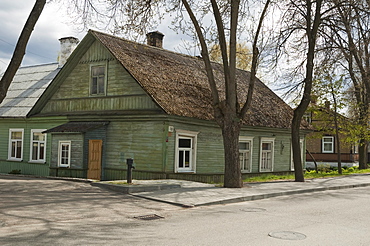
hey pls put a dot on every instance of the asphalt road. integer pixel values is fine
(54, 212)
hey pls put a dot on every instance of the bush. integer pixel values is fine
(323, 168)
(351, 169)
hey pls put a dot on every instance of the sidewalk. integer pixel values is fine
(199, 194)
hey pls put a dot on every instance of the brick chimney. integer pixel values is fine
(67, 46)
(155, 39)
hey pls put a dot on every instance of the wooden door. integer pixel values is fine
(95, 156)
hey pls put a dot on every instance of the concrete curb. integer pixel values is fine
(135, 188)
(283, 193)
(255, 197)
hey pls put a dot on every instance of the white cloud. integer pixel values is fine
(43, 46)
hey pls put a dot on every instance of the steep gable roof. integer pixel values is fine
(26, 88)
(178, 83)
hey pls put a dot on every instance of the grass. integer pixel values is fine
(323, 173)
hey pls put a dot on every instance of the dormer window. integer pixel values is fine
(98, 80)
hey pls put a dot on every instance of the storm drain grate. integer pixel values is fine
(149, 217)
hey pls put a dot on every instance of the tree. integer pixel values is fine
(328, 90)
(20, 48)
(193, 16)
(348, 35)
(302, 21)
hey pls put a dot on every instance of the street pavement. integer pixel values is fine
(193, 194)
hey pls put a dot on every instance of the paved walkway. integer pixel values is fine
(190, 194)
(198, 194)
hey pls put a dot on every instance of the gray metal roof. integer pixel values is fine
(26, 88)
(77, 126)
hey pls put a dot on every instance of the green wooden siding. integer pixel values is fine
(122, 91)
(142, 141)
(210, 157)
(26, 167)
(77, 149)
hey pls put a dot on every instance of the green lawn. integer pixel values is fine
(323, 173)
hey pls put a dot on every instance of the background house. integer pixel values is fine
(322, 143)
(116, 99)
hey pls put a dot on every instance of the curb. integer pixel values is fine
(128, 189)
(283, 193)
(256, 197)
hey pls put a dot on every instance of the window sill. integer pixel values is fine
(15, 160)
(188, 172)
(37, 162)
(246, 171)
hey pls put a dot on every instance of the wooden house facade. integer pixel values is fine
(322, 143)
(115, 99)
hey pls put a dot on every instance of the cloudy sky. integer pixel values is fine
(53, 24)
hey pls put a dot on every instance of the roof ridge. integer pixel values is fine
(150, 46)
(39, 65)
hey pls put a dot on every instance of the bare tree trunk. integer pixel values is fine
(20, 48)
(230, 133)
(339, 152)
(362, 154)
(312, 27)
(296, 146)
(336, 126)
(363, 145)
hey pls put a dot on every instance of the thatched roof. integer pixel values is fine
(178, 83)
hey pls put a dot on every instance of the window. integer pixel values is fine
(64, 154)
(38, 145)
(308, 117)
(328, 144)
(245, 154)
(267, 154)
(98, 79)
(185, 156)
(15, 144)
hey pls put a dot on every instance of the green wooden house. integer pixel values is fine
(116, 99)
(23, 145)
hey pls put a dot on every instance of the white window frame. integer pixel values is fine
(264, 152)
(38, 160)
(60, 144)
(324, 143)
(105, 65)
(11, 141)
(249, 140)
(307, 116)
(182, 134)
(303, 154)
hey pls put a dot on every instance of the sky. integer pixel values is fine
(54, 23)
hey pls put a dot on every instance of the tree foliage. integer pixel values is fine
(347, 33)
(243, 55)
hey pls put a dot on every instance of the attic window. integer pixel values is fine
(98, 80)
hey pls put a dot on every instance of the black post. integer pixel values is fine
(130, 163)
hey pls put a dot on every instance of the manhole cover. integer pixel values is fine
(253, 209)
(287, 235)
(149, 217)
